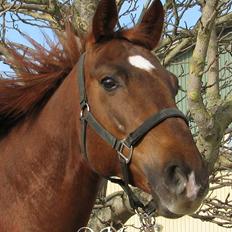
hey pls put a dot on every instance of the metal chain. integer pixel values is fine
(147, 222)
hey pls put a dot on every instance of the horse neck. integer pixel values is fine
(56, 186)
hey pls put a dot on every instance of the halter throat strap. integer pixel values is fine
(124, 147)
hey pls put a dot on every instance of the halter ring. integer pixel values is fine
(84, 108)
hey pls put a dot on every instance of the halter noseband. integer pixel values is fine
(123, 147)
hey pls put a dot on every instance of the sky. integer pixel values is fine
(37, 34)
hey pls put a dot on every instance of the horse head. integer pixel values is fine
(126, 84)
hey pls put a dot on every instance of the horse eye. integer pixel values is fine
(109, 83)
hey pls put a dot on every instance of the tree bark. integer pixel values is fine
(209, 130)
(83, 11)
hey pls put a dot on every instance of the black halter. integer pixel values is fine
(123, 147)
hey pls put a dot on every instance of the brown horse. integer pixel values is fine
(46, 184)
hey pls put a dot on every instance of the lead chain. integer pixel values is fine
(147, 221)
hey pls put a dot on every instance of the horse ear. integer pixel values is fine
(104, 20)
(148, 32)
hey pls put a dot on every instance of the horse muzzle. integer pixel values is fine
(178, 191)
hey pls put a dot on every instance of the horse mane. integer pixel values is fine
(39, 72)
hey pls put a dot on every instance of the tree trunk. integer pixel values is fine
(83, 11)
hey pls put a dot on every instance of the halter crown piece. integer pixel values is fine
(123, 147)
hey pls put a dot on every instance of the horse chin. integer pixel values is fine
(164, 212)
(174, 208)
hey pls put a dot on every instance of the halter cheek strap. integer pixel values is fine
(123, 147)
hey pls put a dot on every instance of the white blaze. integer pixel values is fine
(141, 62)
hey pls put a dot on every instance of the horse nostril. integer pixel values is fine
(176, 180)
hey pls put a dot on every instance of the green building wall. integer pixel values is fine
(180, 67)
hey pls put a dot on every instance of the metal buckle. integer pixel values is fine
(84, 108)
(121, 150)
